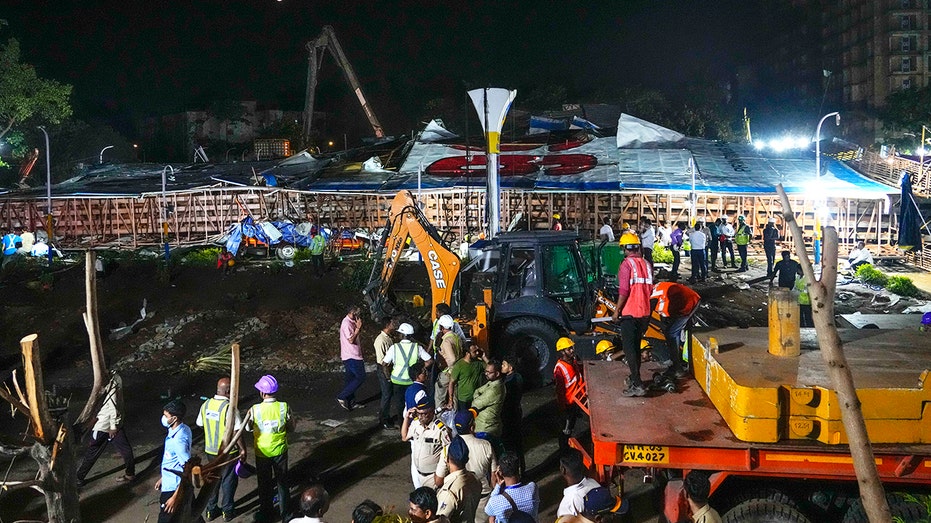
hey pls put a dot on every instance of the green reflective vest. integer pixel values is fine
(743, 235)
(803, 297)
(317, 245)
(214, 415)
(268, 423)
(404, 354)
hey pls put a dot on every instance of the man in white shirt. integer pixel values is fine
(860, 255)
(726, 231)
(606, 232)
(572, 469)
(315, 501)
(647, 239)
(109, 429)
(699, 241)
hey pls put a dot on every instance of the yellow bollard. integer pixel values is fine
(783, 323)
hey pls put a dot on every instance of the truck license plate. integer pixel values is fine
(645, 454)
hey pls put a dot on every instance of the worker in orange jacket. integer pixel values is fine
(675, 304)
(568, 379)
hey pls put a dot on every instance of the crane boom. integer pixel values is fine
(315, 48)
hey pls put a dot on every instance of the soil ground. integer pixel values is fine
(286, 321)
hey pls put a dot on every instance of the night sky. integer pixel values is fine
(137, 58)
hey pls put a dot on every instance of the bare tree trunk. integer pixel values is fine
(832, 351)
(53, 454)
(85, 419)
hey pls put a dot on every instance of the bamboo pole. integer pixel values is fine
(832, 351)
(35, 390)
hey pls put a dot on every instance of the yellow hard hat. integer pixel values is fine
(604, 346)
(556, 215)
(629, 238)
(563, 344)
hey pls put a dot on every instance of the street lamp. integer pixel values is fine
(48, 194)
(817, 242)
(102, 150)
(165, 211)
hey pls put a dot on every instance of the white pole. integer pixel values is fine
(817, 242)
(48, 195)
(101, 152)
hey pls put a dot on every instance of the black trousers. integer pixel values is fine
(632, 331)
(316, 261)
(676, 259)
(228, 483)
(742, 251)
(713, 247)
(164, 517)
(770, 257)
(95, 447)
(387, 392)
(726, 246)
(272, 472)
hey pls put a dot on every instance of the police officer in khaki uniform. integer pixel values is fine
(450, 350)
(459, 496)
(271, 422)
(214, 418)
(428, 435)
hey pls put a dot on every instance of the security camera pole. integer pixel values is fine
(492, 104)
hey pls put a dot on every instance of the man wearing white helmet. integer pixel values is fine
(399, 359)
(450, 350)
(271, 422)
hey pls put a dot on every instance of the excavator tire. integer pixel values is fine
(902, 505)
(764, 511)
(532, 343)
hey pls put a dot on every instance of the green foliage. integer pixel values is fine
(302, 254)
(922, 500)
(206, 257)
(903, 286)
(871, 276)
(25, 96)
(356, 274)
(661, 254)
(907, 110)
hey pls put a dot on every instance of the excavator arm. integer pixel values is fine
(327, 41)
(407, 221)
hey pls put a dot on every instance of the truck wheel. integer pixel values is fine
(764, 511)
(286, 252)
(902, 505)
(756, 493)
(532, 343)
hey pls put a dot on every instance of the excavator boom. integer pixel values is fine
(407, 221)
(327, 41)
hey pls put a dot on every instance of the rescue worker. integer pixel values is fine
(557, 222)
(214, 418)
(271, 423)
(449, 350)
(458, 498)
(399, 359)
(770, 237)
(635, 284)
(428, 435)
(804, 303)
(742, 239)
(443, 309)
(11, 243)
(317, 246)
(488, 400)
(606, 350)
(176, 453)
(568, 378)
(675, 304)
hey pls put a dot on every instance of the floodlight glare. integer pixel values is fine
(759, 144)
(801, 143)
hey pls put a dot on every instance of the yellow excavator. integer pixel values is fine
(522, 292)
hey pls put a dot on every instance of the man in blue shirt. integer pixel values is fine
(417, 390)
(511, 496)
(177, 453)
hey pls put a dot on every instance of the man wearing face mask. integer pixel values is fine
(177, 453)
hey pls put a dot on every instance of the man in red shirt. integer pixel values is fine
(568, 379)
(635, 285)
(676, 304)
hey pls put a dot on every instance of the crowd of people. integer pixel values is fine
(19, 242)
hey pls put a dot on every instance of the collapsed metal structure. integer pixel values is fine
(585, 180)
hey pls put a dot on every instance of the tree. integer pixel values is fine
(25, 96)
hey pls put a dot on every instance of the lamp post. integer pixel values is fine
(48, 195)
(165, 211)
(817, 242)
(101, 152)
(492, 104)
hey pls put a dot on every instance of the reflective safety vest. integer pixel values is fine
(567, 378)
(641, 287)
(317, 245)
(214, 415)
(268, 422)
(404, 354)
(743, 235)
(803, 297)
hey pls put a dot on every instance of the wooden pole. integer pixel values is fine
(35, 390)
(93, 336)
(832, 351)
